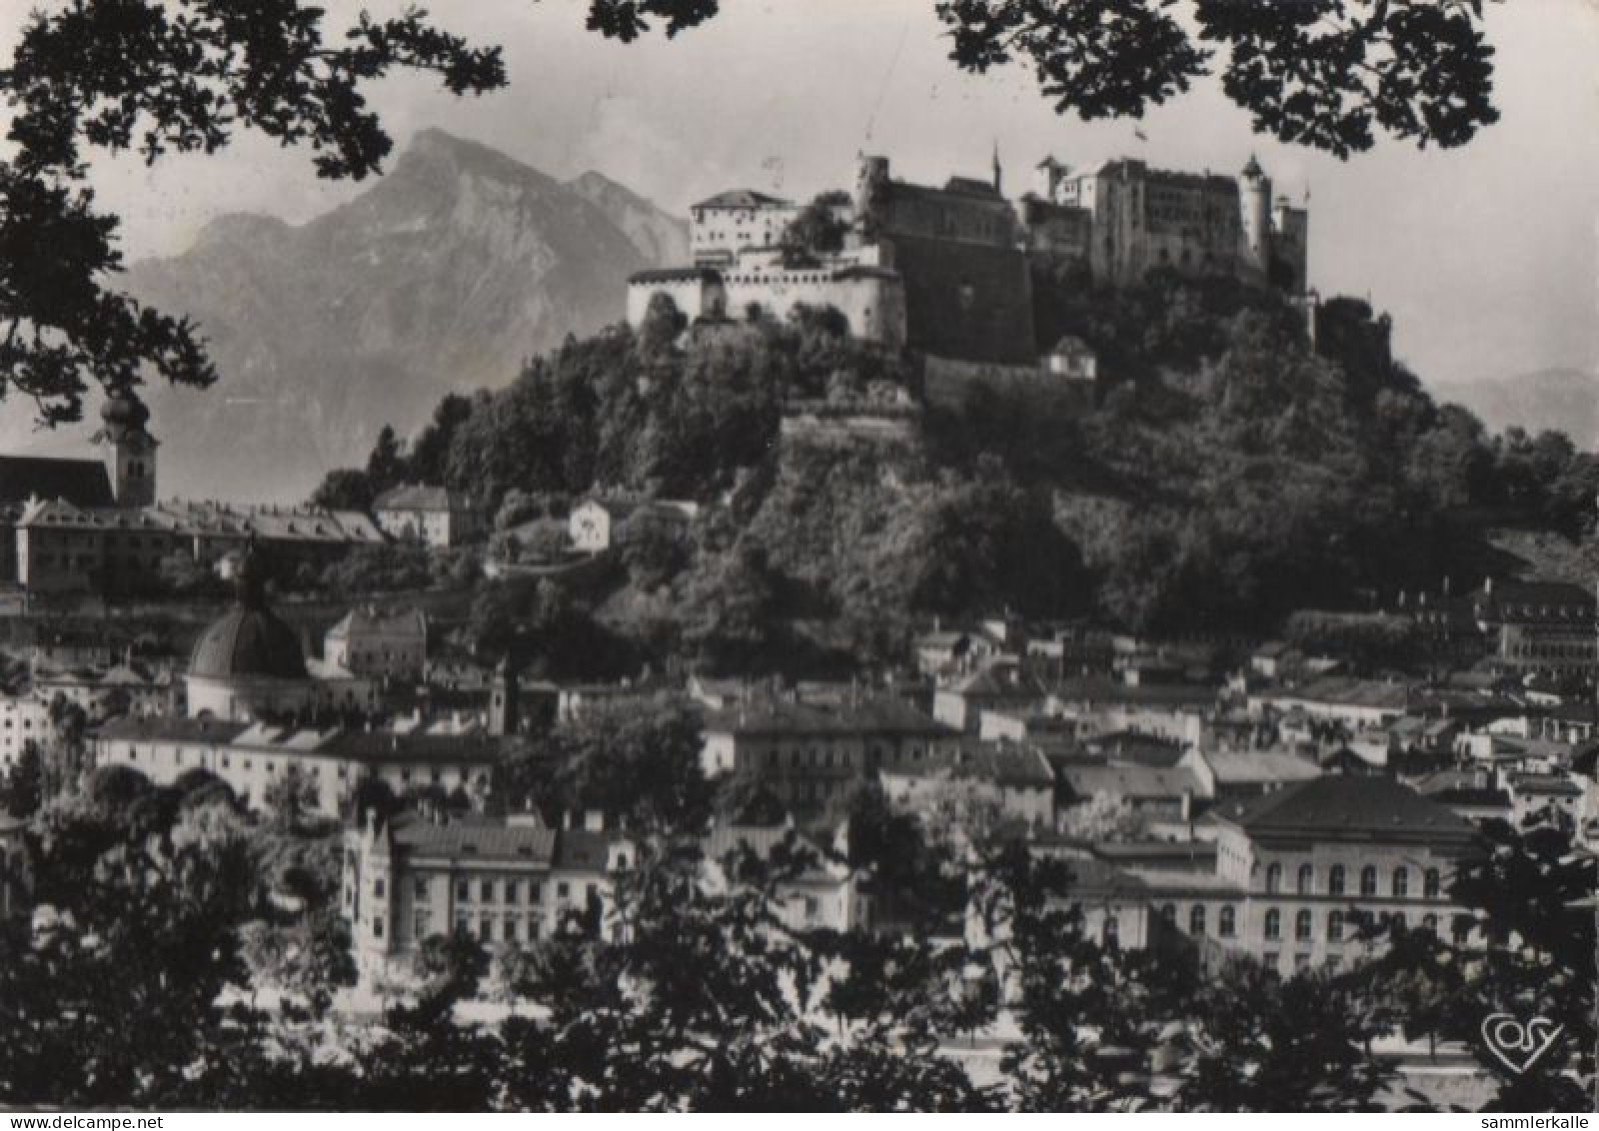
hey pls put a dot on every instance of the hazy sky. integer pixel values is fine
(1485, 256)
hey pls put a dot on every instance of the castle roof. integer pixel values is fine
(971, 186)
(675, 275)
(743, 198)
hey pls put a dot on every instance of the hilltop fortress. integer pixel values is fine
(947, 271)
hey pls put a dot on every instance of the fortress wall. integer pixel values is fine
(688, 293)
(966, 300)
(874, 303)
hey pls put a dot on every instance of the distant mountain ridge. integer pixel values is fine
(1560, 399)
(444, 276)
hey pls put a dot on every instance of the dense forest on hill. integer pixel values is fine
(1228, 474)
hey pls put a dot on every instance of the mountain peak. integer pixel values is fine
(437, 149)
(442, 276)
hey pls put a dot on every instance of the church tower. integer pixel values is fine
(505, 709)
(1254, 198)
(132, 455)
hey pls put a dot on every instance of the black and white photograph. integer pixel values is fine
(862, 556)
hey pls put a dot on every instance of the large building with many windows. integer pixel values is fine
(1296, 867)
(503, 881)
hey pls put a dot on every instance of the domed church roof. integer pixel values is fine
(249, 640)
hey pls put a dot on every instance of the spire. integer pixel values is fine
(999, 177)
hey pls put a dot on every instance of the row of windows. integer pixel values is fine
(510, 891)
(1304, 923)
(1398, 885)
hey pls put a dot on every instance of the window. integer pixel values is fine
(1111, 932)
(1169, 913)
(535, 892)
(1368, 880)
(1274, 924)
(419, 889)
(1429, 923)
(377, 887)
(1303, 924)
(1307, 879)
(463, 891)
(1228, 922)
(377, 926)
(485, 929)
(1431, 885)
(419, 928)
(1461, 930)
(486, 891)
(1335, 926)
(510, 891)
(1335, 880)
(1196, 919)
(563, 890)
(1401, 882)
(1274, 879)
(461, 923)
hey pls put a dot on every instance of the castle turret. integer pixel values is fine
(132, 456)
(1047, 177)
(1254, 198)
(870, 180)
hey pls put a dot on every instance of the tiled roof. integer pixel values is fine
(381, 746)
(1129, 781)
(583, 849)
(1243, 767)
(82, 482)
(1004, 763)
(1368, 807)
(171, 730)
(743, 198)
(383, 622)
(480, 840)
(418, 497)
(675, 275)
(876, 716)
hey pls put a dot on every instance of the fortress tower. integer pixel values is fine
(871, 183)
(1254, 198)
(132, 455)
